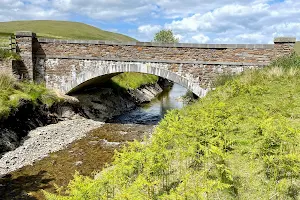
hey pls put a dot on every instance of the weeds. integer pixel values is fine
(8, 55)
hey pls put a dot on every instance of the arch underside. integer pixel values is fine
(104, 71)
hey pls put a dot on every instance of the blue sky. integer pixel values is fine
(197, 21)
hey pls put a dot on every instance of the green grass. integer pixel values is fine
(60, 30)
(8, 55)
(13, 92)
(297, 48)
(241, 141)
(134, 80)
(4, 41)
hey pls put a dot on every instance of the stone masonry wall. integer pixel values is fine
(66, 64)
(67, 74)
(211, 53)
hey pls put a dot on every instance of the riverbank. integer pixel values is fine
(44, 140)
(91, 153)
(72, 113)
(98, 104)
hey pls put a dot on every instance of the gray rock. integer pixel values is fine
(78, 163)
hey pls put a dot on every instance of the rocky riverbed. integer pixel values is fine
(99, 104)
(44, 140)
(87, 156)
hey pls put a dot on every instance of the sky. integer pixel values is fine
(192, 21)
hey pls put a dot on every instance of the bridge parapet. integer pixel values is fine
(58, 61)
(284, 46)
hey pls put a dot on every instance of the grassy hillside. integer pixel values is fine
(241, 141)
(61, 29)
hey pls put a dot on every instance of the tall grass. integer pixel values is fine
(8, 55)
(287, 62)
(12, 93)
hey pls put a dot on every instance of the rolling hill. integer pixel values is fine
(60, 30)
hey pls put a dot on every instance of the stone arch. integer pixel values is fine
(106, 69)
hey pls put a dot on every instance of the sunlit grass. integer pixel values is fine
(12, 93)
(134, 80)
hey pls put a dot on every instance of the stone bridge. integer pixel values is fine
(68, 65)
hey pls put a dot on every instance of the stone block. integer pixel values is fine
(285, 40)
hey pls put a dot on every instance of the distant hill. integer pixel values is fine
(61, 30)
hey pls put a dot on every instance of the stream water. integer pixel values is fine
(91, 153)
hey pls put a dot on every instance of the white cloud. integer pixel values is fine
(105, 9)
(200, 38)
(179, 37)
(256, 22)
(226, 21)
(147, 32)
(19, 10)
(149, 29)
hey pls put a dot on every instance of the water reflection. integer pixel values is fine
(151, 113)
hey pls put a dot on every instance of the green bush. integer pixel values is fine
(241, 141)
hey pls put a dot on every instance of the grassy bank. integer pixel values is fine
(13, 93)
(134, 80)
(239, 142)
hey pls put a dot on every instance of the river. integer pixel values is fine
(91, 153)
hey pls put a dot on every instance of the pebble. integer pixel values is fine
(78, 163)
(44, 140)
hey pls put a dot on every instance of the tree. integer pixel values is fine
(165, 36)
